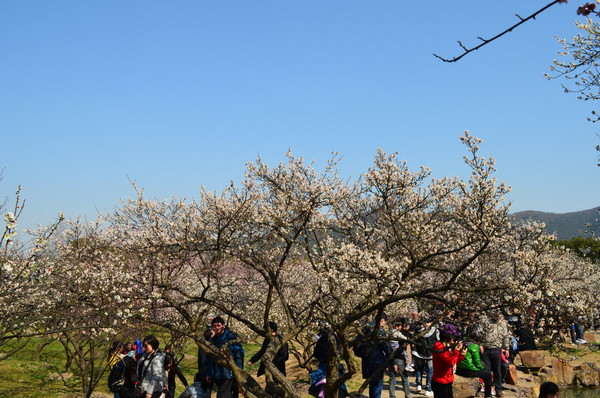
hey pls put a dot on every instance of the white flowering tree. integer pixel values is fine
(579, 61)
(578, 64)
(294, 245)
(238, 254)
(557, 286)
(89, 286)
(24, 270)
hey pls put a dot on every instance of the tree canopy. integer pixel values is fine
(296, 245)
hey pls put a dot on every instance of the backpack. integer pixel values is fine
(364, 349)
(283, 354)
(123, 372)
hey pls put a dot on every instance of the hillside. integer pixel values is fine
(564, 225)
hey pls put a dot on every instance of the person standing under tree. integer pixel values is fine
(173, 370)
(422, 356)
(398, 367)
(221, 375)
(279, 359)
(281, 356)
(373, 353)
(151, 369)
(492, 331)
(446, 354)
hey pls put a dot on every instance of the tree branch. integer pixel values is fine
(487, 41)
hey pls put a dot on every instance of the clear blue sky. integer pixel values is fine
(179, 94)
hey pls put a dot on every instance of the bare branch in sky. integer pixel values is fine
(467, 50)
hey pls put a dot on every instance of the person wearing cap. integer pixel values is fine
(446, 354)
(494, 338)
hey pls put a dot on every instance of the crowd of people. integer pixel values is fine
(434, 350)
(141, 370)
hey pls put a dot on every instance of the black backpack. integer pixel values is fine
(283, 354)
(122, 373)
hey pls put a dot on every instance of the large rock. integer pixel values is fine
(465, 387)
(511, 375)
(560, 372)
(587, 375)
(530, 379)
(565, 373)
(533, 359)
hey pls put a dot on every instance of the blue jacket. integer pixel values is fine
(373, 354)
(218, 372)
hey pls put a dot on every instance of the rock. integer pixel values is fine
(590, 337)
(587, 375)
(533, 359)
(529, 378)
(511, 375)
(526, 391)
(465, 387)
(547, 373)
(564, 371)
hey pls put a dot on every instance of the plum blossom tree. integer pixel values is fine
(237, 253)
(579, 61)
(81, 300)
(295, 245)
(24, 270)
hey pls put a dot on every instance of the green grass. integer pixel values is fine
(24, 377)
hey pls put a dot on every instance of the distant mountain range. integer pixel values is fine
(564, 225)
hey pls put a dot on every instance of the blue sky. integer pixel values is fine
(179, 94)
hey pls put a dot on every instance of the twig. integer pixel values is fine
(487, 41)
